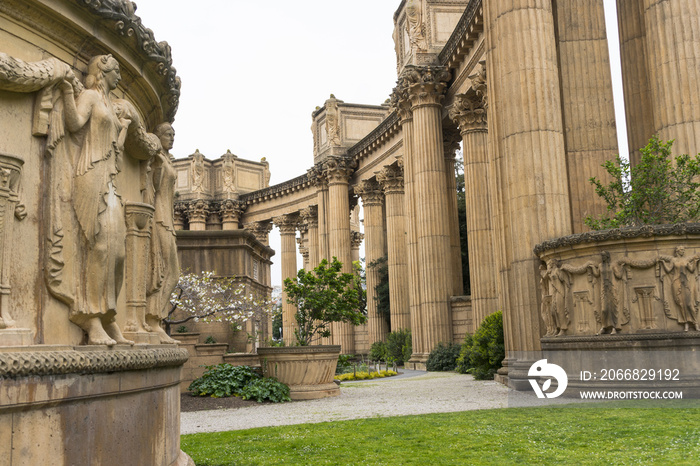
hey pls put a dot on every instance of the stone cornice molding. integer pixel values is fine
(338, 170)
(468, 27)
(125, 23)
(426, 85)
(391, 179)
(279, 190)
(45, 362)
(371, 193)
(469, 113)
(287, 223)
(309, 216)
(647, 231)
(377, 137)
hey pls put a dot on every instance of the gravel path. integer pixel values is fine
(414, 392)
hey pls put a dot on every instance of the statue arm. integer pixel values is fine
(78, 113)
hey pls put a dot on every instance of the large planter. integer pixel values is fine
(307, 370)
(631, 281)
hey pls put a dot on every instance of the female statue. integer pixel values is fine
(683, 285)
(165, 269)
(99, 135)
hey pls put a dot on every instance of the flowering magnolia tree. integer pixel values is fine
(205, 298)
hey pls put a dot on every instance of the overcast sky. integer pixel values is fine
(253, 71)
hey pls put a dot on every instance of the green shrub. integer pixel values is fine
(399, 347)
(223, 380)
(364, 375)
(267, 388)
(181, 329)
(443, 357)
(377, 352)
(343, 363)
(210, 340)
(655, 191)
(483, 353)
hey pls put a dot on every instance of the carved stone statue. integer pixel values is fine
(414, 25)
(229, 174)
(164, 266)
(333, 121)
(683, 286)
(558, 289)
(546, 307)
(197, 172)
(96, 145)
(266, 171)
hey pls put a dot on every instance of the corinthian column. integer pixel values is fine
(429, 191)
(318, 178)
(451, 144)
(288, 230)
(528, 154)
(402, 104)
(375, 245)
(469, 113)
(391, 179)
(197, 212)
(338, 171)
(231, 211)
(310, 218)
(673, 64)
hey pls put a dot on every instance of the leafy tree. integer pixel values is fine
(206, 298)
(657, 190)
(482, 354)
(381, 290)
(324, 295)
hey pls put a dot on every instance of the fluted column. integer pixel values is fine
(469, 113)
(179, 215)
(451, 144)
(197, 213)
(402, 105)
(391, 179)
(673, 63)
(528, 153)
(260, 230)
(318, 177)
(310, 218)
(338, 171)
(429, 191)
(372, 200)
(231, 211)
(587, 103)
(288, 229)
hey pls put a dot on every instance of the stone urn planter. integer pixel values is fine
(307, 370)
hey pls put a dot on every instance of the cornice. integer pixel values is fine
(295, 184)
(647, 231)
(459, 41)
(86, 360)
(376, 138)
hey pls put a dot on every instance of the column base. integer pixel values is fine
(417, 362)
(16, 337)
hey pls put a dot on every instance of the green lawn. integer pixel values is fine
(571, 435)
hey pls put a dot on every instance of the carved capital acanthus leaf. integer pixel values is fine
(259, 229)
(309, 216)
(469, 113)
(391, 179)
(339, 169)
(231, 210)
(356, 239)
(371, 193)
(426, 84)
(287, 224)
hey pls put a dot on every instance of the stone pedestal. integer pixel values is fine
(138, 235)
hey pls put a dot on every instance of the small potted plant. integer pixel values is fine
(321, 296)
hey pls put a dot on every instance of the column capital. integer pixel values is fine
(338, 170)
(391, 179)
(469, 113)
(259, 229)
(370, 191)
(425, 84)
(287, 224)
(198, 210)
(304, 251)
(400, 102)
(478, 80)
(309, 216)
(451, 139)
(356, 239)
(232, 209)
(317, 176)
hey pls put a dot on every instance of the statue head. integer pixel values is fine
(679, 251)
(103, 73)
(166, 134)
